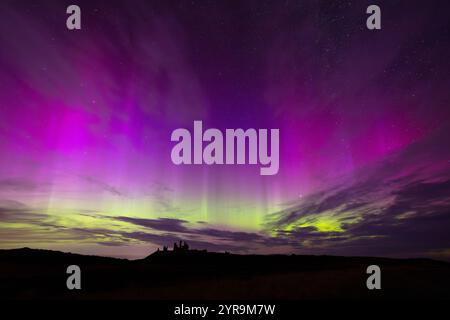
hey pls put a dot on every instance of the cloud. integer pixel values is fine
(206, 236)
(103, 185)
(24, 225)
(162, 224)
(17, 184)
(12, 211)
(162, 196)
(35, 227)
(399, 206)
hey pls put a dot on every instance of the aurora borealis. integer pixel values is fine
(86, 118)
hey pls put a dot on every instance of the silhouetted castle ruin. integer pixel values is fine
(182, 246)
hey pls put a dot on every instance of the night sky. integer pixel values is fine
(86, 118)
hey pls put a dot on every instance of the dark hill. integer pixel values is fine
(195, 274)
(27, 255)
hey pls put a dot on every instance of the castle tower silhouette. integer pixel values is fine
(182, 246)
